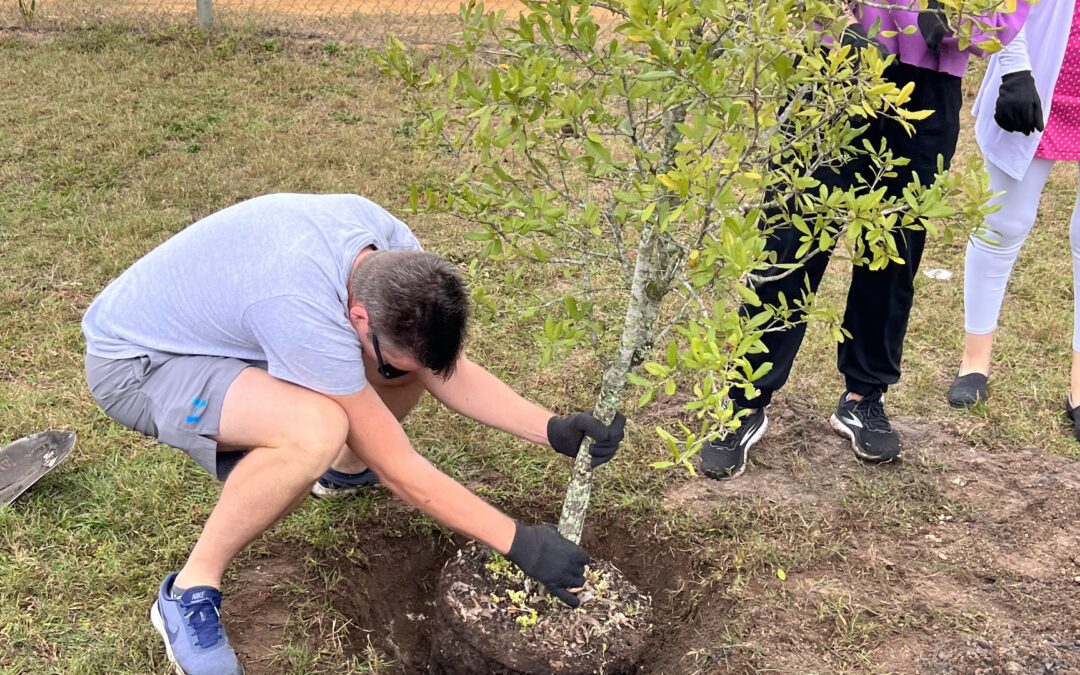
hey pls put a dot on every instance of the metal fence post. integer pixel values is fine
(206, 14)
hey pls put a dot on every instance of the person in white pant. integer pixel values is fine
(1028, 118)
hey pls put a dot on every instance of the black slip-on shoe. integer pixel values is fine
(1073, 413)
(967, 390)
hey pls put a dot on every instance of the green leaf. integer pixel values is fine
(597, 151)
(938, 210)
(647, 212)
(657, 75)
(748, 295)
(655, 369)
(471, 88)
(761, 371)
(647, 397)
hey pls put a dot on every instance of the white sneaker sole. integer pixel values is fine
(321, 492)
(842, 429)
(159, 625)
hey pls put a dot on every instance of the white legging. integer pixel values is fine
(988, 265)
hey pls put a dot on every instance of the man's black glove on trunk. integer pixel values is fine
(566, 433)
(545, 555)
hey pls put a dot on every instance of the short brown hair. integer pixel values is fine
(416, 302)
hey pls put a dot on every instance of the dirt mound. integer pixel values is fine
(490, 620)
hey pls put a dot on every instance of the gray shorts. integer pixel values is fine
(175, 399)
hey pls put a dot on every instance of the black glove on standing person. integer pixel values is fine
(545, 555)
(933, 25)
(1018, 105)
(566, 433)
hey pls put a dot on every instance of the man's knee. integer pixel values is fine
(318, 433)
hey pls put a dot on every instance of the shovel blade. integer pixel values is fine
(26, 460)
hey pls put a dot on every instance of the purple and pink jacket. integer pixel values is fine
(911, 49)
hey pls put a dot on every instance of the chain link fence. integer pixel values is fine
(365, 22)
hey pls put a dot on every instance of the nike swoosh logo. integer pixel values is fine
(748, 435)
(854, 421)
(172, 633)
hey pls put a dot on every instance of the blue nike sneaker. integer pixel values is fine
(340, 484)
(191, 628)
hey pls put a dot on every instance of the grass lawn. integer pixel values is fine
(962, 557)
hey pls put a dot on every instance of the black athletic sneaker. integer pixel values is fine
(726, 458)
(865, 423)
(1073, 414)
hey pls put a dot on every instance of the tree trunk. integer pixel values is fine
(641, 313)
(651, 282)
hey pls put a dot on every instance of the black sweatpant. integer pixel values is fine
(878, 302)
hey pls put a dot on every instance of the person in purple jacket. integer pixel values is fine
(879, 301)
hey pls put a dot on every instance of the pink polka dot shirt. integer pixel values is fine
(1061, 138)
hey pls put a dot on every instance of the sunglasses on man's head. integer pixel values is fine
(385, 369)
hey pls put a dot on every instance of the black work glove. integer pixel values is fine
(545, 555)
(855, 35)
(566, 433)
(1018, 105)
(933, 25)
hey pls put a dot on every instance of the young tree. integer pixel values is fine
(640, 144)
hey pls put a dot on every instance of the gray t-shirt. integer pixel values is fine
(265, 280)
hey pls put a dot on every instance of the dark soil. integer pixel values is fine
(385, 588)
(255, 615)
(491, 622)
(957, 560)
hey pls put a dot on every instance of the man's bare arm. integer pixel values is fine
(539, 550)
(476, 393)
(378, 439)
